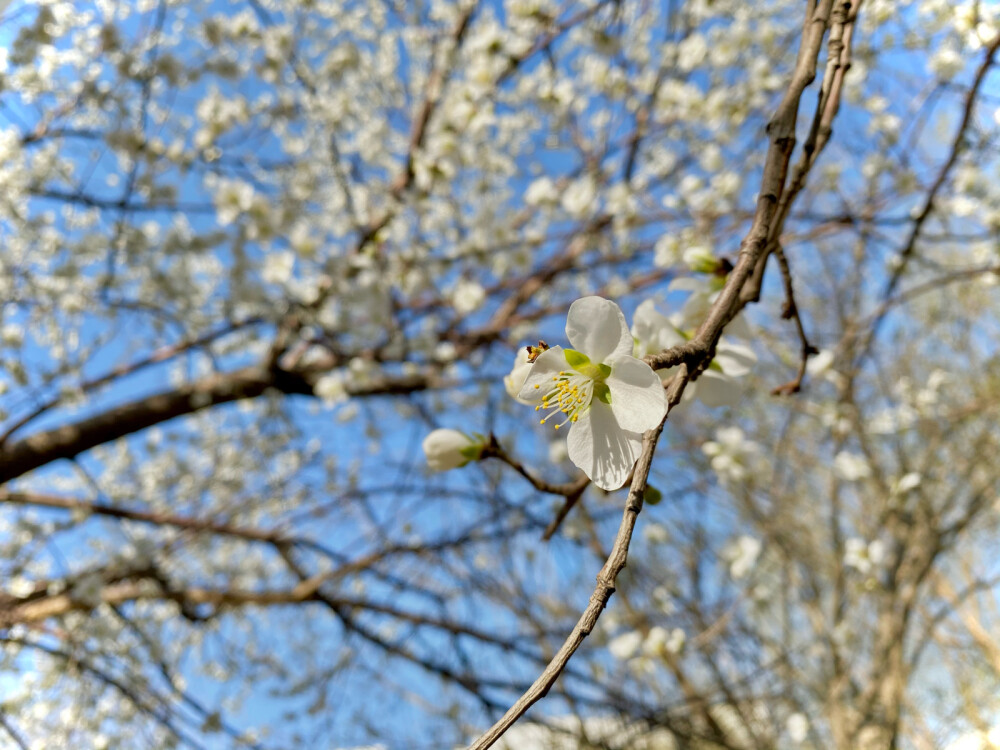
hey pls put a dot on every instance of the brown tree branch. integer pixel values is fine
(493, 449)
(781, 131)
(34, 451)
(163, 354)
(155, 518)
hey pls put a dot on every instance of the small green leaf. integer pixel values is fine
(602, 392)
(652, 496)
(576, 359)
(472, 452)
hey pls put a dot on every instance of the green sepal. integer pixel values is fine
(652, 496)
(582, 364)
(706, 265)
(602, 392)
(472, 452)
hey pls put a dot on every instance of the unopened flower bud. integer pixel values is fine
(449, 449)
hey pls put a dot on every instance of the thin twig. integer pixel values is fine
(909, 246)
(791, 311)
(493, 449)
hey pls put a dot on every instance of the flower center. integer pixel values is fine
(570, 393)
(573, 390)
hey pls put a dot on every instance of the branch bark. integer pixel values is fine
(691, 356)
(68, 441)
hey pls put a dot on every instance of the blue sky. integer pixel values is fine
(551, 570)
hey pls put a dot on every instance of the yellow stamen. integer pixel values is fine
(570, 396)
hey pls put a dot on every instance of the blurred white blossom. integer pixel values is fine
(742, 554)
(450, 449)
(851, 467)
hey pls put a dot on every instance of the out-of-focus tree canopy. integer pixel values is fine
(274, 274)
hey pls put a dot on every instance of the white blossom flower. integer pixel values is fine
(820, 363)
(691, 52)
(541, 191)
(656, 533)
(608, 397)
(904, 484)
(717, 386)
(946, 62)
(579, 197)
(699, 258)
(467, 295)
(278, 267)
(704, 290)
(514, 381)
(742, 554)
(732, 454)
(851, 467)
(863, 556)
(675, 643)
(20, 587)
(625, 645)
(558, 451)
(12, 334)
(660, 641)
(331, 388)
(232, 198)
(449, 449)
(798, 727)
(668, 249)
(655, 640)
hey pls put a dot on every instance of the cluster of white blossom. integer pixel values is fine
(357, 209)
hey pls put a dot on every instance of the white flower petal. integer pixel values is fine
(908, 482)
(653, 329)
(819, 364)
(514, 381)
(548, 365)
(739, 328)
(735, 360)
(851, 467)
(625, 645)
(647, 322)
(716, 389)
(446, 449)
(596, 327)
(686, 284)
(637, 398)
(798, 727)
(603, 450)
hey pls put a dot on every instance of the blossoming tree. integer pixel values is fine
(288, 286)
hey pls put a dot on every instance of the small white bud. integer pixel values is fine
(449, 449)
